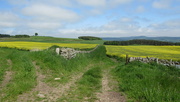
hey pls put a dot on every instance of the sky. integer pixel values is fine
(100, 18)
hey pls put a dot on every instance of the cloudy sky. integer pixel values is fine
(102, 18)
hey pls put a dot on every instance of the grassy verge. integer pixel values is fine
(23, 78)
(3, 66)
(149, 82)
(3, 62)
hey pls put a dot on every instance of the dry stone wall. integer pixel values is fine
(69, 53)
(152, 59)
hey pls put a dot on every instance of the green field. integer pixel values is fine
(24, 45)
(162, 52)
(52, 40)
(30, 76)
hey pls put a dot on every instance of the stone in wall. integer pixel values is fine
(131, 59)
(68, 53)
(57, 51)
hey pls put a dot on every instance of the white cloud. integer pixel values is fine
(119, 27)
(8, 19)
(124, 24)
(167, 25)
(61, 17)
(126, 19)
(120, 1)
(57, 2)
(162, 4)
(74, 33)
(50, 13)
(95, 12)
(18, 2)
(50, 2)
(103, 4)
(140, 9)
(48, 17)
(95, 3)
(44, 25)
(143, 0)
(127, 27)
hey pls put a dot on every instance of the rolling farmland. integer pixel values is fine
(32, 76)
(162, 52)
(39, 45)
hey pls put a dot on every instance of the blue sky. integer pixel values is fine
(102, 18)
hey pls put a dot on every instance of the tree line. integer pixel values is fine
(140, 42)
(4, 35)
(89, 38)
(22, 36)
(16, 36)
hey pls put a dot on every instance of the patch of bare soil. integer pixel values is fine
(41, 88)
(45, 93)
(109, 86)
(8, 74)
(64, 89)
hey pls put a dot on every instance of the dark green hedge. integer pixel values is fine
(140, 42)
(89, 38)
(21, 36)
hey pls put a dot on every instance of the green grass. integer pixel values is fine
(89, 84)
(60, 67)
(3, 63)
(52, 40)
(140, 82)
(3, 66)
(86, 87)
(23, 78)
(51, 65)
(149, 82)
(161, 52)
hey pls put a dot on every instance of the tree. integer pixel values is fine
(36, 34)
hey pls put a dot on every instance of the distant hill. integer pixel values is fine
(168, 39)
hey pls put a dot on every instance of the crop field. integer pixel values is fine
(162, 52)
(31, 76)
(41, 46)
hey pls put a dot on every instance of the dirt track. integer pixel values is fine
(45, 93)
(109, 89)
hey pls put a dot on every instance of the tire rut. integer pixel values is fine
(8, 74)
(108, 94)
(46, 92)
(63, 89)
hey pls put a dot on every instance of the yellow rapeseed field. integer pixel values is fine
(162, 52)
(41, 46)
